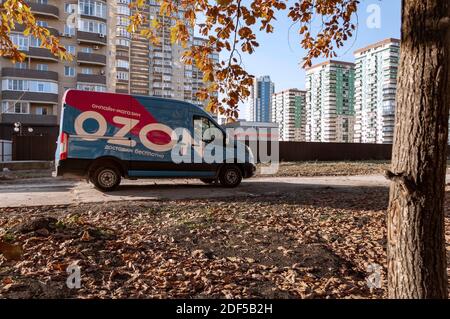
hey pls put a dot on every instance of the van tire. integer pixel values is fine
(230, 176)
(106, 178)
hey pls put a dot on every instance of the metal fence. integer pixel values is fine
(298, 151)
(33, 148)
(305, 151)
(5, 151)
(44, 147)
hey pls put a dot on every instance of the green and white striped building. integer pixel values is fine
(288, 110)
(330, 88)
(375, 90)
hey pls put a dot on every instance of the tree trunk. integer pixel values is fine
(416, 243)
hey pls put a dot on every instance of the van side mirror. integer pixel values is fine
(209, 140)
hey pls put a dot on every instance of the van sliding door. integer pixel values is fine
(152, 155)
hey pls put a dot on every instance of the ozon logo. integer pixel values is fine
(156, 142)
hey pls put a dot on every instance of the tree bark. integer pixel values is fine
(417, 266)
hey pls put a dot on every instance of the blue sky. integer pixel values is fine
(279, 54)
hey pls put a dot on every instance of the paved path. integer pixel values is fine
(48, 191)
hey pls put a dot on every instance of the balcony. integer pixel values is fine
(53, 31)
(91, 78)
(89, 37)
(91, 58)
(46, 10)
(30, 74)
(34, 97)
(92, 17)
(28, 119)
(123, 48)
(40, 54)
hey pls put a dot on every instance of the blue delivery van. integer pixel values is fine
(105, 137)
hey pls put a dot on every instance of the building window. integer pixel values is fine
(92, 8)
(86, 50)
(88, 71)
(20, 65)
(69, 7)
(69, 71)
(122, 75)
(15, 107)
(22, 42)
(124, 10)
(42, 111)
(123, 21)
(69, 31)
(91, 87)
(92, 26)
(71, 49)
(42, 67)
(35, 43)
(122, 32)
(43, 24)
(123, 42)
(122, 64)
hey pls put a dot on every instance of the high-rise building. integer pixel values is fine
(288, 110)
(330, 102)
(106, 58)
(131, 52)
(193, 79)
(260, 100)
(31, 91)
(157, 70)
(375, 90)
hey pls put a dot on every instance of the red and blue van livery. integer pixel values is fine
(106, 137)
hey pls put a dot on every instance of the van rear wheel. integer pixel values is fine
(230, 176)
(106, 178)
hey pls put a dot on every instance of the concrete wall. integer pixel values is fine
(26, 165)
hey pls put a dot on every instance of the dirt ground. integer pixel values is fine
(17, 175)
(316, 244)
(313, 169)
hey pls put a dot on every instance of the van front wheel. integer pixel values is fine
(230, 176)
(106, 179)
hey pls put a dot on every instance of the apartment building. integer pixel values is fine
(375, 90)
(146, 69)
(330, 88)
(288, 110)
(193, 79)
(143, 68)
(31, 91)
(260, 100)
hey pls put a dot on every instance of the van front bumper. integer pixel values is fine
(250, 170)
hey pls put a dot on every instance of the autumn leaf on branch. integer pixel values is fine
(337, 26)
(18, 12)
(229, 29)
